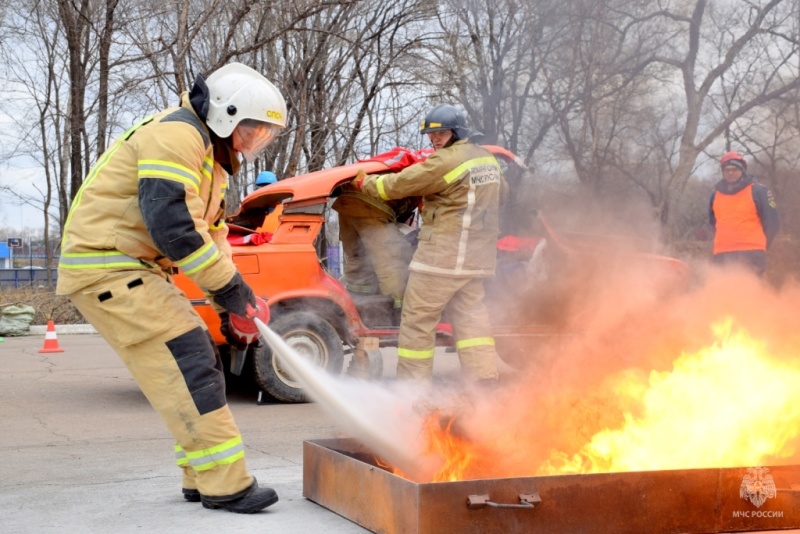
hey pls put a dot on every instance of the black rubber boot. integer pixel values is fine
(248, 501)
(191, 495)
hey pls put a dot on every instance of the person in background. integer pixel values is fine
(154, 203)
(265, 178)
(273, 216)
(744, 216)
(461, 185)
(374, 240)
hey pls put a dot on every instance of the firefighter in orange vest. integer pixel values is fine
(154, 202)
(743, 215)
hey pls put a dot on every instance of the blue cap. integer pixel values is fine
(266, 178)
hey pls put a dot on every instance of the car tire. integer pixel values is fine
(309, 334)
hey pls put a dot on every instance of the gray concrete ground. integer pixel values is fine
(83, 451)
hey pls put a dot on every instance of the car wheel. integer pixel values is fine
(310, 335)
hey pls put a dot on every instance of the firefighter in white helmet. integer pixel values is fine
(154, 203)
(461, 185)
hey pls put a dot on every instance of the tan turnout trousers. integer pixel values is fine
(166, 347)
(375, 251)
(425, 300)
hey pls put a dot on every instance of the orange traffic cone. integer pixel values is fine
(50, 339)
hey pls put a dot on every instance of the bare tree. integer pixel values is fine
(34, 71)
(628, 92)
(750, 45)
(596, 82)
(104, 46)
(74, 17)
(489, 57)
(771, 137)
(334, 68)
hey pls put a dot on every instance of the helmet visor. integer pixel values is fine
(251, 137)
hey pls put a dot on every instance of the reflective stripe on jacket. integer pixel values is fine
(461, 186)
(154, 199)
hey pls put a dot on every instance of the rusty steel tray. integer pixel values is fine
(341, 475)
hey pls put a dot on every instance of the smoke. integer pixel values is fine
(386, 418)
(618, 325)
(622, 325)
(637, 339)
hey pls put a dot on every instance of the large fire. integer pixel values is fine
(731, 404)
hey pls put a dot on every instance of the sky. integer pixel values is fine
(14, 214)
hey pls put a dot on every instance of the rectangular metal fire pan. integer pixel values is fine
(341, 475)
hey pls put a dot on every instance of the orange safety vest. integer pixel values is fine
(738, 226)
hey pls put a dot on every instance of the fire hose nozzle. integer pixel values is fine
(244, 328)
(246, 332)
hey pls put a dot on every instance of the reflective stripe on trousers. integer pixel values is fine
(425, 299)
(204, 459)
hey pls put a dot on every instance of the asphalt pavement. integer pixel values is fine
(83, 451)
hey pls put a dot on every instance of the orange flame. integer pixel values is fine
(731, 404)
(457, 457)
(456, 452)
(734, 403)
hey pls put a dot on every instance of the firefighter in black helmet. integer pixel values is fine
(443, 117)
(461, 184)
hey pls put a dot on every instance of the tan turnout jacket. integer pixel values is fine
(154, 199)
(461, 186)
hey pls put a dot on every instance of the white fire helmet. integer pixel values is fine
(238, 93)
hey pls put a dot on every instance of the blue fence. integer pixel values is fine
(16, 278)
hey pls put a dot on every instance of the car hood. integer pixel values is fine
(319, 185)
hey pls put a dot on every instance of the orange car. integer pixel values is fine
(309, 308)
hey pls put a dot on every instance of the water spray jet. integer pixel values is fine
(395, 441)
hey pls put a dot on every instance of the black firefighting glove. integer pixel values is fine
(235, 296)
(225, 327)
